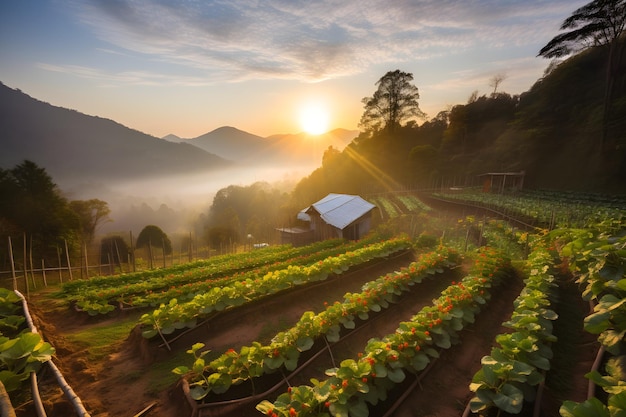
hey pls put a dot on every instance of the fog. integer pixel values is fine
(173, 203)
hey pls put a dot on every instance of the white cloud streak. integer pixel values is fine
(308, 40)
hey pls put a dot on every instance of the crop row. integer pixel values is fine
(233, 367)
(560, 213)
(187, 283)
(508, 376)
(597, 256)
(368, 378)
(174, 315)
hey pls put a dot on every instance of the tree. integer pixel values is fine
(31, 204)
(495, 82)
(598, 23)
(394, 102)
(153, 235)
(90, 213)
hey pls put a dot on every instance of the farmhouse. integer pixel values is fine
(334, 216)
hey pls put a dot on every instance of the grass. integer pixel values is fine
(103, 339)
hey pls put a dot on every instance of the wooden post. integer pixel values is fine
(164, 256)
(86, 261)
(30, 260)
(132, 251)
(119, 259)
(59, 263)
(12, 265)
(190, 248)
(150, 253)
(111, 267)
(67, 256)
(43, 273)
(25, 267)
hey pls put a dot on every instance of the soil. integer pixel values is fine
(121, 385)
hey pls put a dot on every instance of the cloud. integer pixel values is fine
(234, 40)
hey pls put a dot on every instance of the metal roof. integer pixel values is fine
(339, 210)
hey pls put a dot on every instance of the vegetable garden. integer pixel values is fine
(370, 327)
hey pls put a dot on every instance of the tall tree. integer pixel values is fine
(395, 101)
(599, 23)
(91, 214)
(31, 203)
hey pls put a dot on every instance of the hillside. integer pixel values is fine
(249, 149)
(71, 145)
(553, 133)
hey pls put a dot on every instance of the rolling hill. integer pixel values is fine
(74, 146)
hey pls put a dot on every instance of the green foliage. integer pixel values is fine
(152, 235)
(31, 204)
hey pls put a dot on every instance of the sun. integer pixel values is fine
(314, 119)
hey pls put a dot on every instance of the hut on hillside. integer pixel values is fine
(334, 216)
(498, 182)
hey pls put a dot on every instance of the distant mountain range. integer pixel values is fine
(74, 147)
(292, 149)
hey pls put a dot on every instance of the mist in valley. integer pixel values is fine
(176, 204)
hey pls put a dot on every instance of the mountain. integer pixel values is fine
(290, 149)
(74, 146)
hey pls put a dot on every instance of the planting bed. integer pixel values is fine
(122, 384)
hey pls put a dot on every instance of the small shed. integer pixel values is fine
(339, 216)
(498, 182)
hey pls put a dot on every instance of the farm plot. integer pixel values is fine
(110, 385)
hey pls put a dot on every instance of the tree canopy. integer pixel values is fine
(598, 23)
(31, 204)
(394, 102)
(152, 235)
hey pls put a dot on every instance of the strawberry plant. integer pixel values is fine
(384, 362)
(172, 316)
(285, 348)
(512, 369)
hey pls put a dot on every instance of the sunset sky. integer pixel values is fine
(188, 67)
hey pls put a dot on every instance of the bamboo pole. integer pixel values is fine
(12, 265)
(163, 247)
(30, 260)
(69, 266)
(43, 273)
(132, 251)
(150, 253)
(119, 259)
(25, 267)
(59, 261)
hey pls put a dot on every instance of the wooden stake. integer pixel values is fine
(43, 273)
(69, 266)
(59, 260)
(12, 265)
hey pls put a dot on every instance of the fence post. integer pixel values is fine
(67, 256)
(86, 261)
(59, 261)
(25, 266)
(30, 259)
(43, 273)
(132, 251)
(12, 264)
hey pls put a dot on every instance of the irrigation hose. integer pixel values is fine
(69, 392)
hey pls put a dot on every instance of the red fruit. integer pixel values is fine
(344, 383)
(292, 412)
(327, 404)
